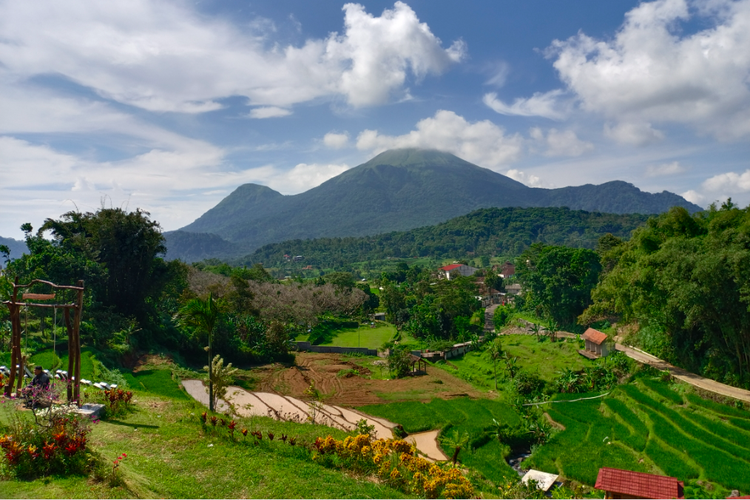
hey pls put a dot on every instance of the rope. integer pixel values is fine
(567, 400)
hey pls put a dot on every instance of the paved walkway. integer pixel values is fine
(691, 378)
(266, 404)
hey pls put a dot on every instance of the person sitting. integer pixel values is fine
(38, 386)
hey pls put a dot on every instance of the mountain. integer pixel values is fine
(395, 191)
(504, 232)
(16, 248)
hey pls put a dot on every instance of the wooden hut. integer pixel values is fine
(596, 342)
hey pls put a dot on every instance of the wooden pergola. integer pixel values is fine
(73, 326)
(418, 364)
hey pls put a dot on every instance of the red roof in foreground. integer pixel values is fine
(638, 484)
(451, 267)
(595, 336)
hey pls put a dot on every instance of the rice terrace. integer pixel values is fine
(375, 249)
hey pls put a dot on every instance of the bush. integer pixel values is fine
(31, 450)
(528, 384)
(399, 362)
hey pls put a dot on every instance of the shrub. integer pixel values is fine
(528, 384)
(31, 450)
(399, 362)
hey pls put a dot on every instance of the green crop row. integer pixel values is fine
(620, 408)
(662, 390)
(718, 407)
(672, 463)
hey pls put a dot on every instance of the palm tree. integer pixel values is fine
(456, 441)
(202, 315)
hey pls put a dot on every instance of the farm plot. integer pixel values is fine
(471, 416)
(646, 426)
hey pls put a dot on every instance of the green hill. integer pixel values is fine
(400, 190)
(490, 231)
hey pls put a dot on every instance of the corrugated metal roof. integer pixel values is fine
(638, 484)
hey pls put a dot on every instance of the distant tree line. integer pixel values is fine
(485, 232)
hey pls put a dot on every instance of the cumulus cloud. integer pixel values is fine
(633, 133)
(164, 56)
(665, 169)
(728, 183)
(481, 142)
(560, 142)
(651, 73)
(544, 104)
(269, 112)
(528, 179)
(693, 196)
(304, 176)
(335, 140)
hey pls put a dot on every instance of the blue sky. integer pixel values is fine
(168, 105)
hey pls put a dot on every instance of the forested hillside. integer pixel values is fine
(683, 280)
(489, 232)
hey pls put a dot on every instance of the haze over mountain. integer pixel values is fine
(16, 248)
(395, 191)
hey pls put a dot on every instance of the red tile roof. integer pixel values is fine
(451, 267)
(595, 336)
(638, 484)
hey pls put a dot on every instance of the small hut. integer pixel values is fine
(418, 364)
(618, 483)
(596, 342)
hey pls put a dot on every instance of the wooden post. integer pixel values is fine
(71, 354)
(77, 346)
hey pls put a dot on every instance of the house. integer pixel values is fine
(379, 316)
(507, 270)
(618, 483)
(596, 342)
(454, 270)
(514, 289)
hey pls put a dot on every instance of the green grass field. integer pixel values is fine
(471, 416)
(545, 359)
(364, 336)
(647, 426)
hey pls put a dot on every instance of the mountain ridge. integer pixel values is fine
(399, 190)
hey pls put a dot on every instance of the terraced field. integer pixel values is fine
(471, 416)
(646, 426)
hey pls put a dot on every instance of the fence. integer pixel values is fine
(307, 346)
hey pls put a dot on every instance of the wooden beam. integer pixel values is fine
(38, 296)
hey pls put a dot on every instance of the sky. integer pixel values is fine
(168, 105)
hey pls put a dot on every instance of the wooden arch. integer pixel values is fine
(73, 325)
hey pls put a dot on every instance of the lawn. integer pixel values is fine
(471, 416)
(370, 336)
(169, 457)
(648, 426)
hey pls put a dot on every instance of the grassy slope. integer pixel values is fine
(545, 358)
(169, 457)
(364, 336)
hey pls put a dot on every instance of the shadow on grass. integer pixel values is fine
(134, 425)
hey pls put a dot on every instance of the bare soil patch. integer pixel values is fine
(322, 369)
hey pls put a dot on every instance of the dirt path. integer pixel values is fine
(248, 404)
(489, 316)
(684, 375)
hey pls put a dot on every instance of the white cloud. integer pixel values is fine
(650, 73)
(481, 142)
(305, 176)
(528, 179)
(498, 74)
(544, 104)
(693, 197)
(164, 56)
(665, 169)
(560, 142)
(269, 112)
(633, 133)
(728, 183)
(334, 140)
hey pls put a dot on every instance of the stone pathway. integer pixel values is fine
(267, 404)
(489, 316)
